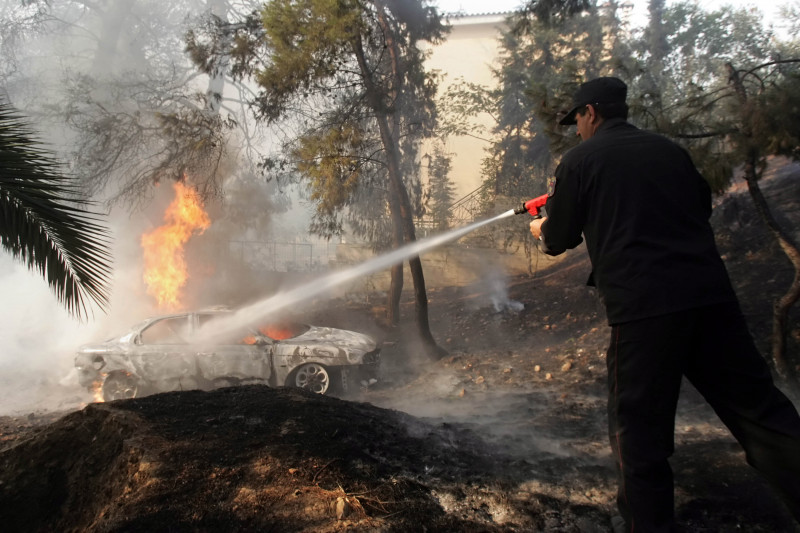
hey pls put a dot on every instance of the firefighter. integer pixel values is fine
(643, 209)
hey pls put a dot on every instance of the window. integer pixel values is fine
(241, 335)
(167, 331)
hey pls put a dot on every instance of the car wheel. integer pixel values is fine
(119, 386)
(313, 377)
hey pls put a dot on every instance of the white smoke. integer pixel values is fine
(497, 285)
(39, 337)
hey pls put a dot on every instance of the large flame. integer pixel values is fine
(165, 271)
(276, 332)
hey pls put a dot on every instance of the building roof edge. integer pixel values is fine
(477, 18)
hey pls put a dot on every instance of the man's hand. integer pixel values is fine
(536, 227)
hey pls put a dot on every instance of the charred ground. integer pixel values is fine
(505, 433)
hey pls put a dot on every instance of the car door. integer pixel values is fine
(162, 351)
(235, 357)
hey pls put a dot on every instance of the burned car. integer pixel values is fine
(163, 354)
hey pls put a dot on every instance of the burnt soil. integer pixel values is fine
(507, 432)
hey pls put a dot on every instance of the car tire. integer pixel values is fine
(119, 386)
(311, 376)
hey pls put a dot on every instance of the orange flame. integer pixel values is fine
(165, 267)
(97, 391)
(277, 332)
(273, 331)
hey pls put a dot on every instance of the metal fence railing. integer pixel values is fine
(277, 256)
(283, 256)
(463, 211)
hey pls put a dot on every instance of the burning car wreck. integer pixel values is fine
(162, 354)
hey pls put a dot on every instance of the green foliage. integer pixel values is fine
(43, 223)
(145, 133)
(442, 190)
(331, 70)
(789, 17)
(777, 126)
(330, 161)
(677, 69)
(701, 39)
(673, 89)
(212, 42)
(311, 46)
(308, 40)
(690, 93)
(539, 72)
(464, 101)
(549, 13)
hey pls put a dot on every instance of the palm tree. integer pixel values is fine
(44, 223)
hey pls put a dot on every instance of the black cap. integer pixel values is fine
(596, 91)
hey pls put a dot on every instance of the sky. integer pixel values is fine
(471, 7)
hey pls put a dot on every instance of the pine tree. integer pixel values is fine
(348, 77)
(442, 189)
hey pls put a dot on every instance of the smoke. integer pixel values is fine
(91, 51)
(515, 422)
(62, 73)
(497, 288)
(39, 337)
(303, 293)
(492, 285)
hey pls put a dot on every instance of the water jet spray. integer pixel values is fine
(261, 311)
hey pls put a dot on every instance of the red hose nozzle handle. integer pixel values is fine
(532, 206)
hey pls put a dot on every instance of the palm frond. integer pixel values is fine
(45, 223)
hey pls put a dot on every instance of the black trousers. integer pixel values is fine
(713, 348)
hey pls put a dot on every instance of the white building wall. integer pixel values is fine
(470, 52)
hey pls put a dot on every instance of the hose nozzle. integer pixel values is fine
(532, 206)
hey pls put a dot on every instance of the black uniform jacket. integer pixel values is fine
(643, 208)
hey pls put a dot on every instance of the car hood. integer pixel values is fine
(348, 340)
(98, 348)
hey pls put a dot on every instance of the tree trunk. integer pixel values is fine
(393, 297)
(397, 190)
(781, 308)
(216, 81)
(414, 263)
(397, 282)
